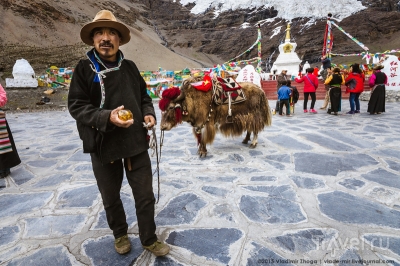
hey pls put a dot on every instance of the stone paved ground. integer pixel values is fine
(318, 189)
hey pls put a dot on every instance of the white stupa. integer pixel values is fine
(287, 58)
(24, 76)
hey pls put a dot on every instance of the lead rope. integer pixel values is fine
(154, 147)
(158, 157)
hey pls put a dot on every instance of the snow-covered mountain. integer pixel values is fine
(287, 9)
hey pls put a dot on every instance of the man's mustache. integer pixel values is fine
(106, 43)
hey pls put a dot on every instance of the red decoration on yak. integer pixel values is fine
(178, 114)
(198, 136)
(167, 96)
(204, 85)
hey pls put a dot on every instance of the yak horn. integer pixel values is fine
(181, 96)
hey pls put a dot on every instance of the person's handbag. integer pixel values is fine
(351, 84)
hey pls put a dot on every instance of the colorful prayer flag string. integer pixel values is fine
(257, 42)
(351, 37)
(363, 53)
(228, 64)
(328, 38)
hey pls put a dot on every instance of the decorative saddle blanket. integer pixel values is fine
(227, 91)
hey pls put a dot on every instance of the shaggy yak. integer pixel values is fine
(206, 117)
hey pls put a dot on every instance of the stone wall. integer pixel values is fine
(391, 96)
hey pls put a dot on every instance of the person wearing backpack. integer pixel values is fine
(355, 85)
(310, 87)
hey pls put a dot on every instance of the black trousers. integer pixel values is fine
(109, 180)
(286, 103)
(335, 94)
(313, 99)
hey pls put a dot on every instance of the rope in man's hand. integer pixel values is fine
(153, 146)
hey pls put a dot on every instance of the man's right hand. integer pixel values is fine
(115, 120)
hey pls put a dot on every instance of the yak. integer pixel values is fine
(206, 117)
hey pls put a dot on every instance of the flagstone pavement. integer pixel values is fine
(317, 190)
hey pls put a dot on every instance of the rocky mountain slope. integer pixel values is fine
(47, 34)
(166, 34)
(377, 27)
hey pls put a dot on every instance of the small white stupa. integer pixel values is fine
(24, 76)
(287, 58)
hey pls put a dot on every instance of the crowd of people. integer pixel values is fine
(334, 79)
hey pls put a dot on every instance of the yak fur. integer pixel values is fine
(251, 115)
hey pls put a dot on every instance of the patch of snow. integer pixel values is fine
(264, 21)
(245, 25)
(275, 31)
(307, 25)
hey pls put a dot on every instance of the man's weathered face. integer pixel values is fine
(106, 42)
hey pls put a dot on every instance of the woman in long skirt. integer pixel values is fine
(8, 152)
(377, 81)
(335, 80)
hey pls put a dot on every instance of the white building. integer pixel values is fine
(24, 76)
(287, 58)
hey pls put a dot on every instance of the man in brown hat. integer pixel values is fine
(102, 85)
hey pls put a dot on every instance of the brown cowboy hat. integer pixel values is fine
(105, 18)
(378, 67)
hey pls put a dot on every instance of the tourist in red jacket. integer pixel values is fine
(355, 85)
(310, 86)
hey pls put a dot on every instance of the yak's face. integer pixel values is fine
(169, 117)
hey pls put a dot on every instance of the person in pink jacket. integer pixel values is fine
(8, 152)
(355, 85)
(310, 87)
